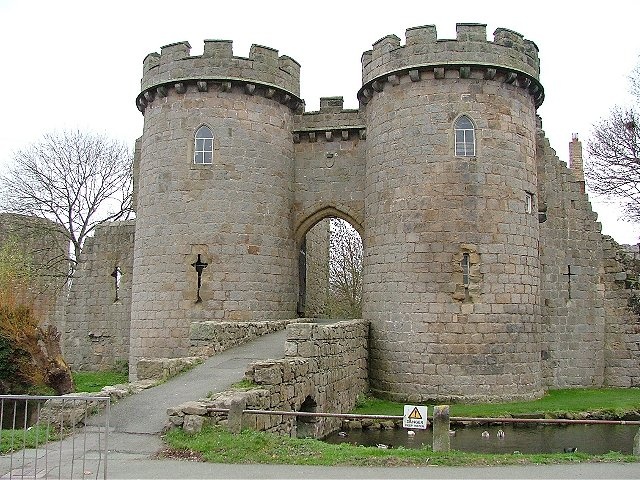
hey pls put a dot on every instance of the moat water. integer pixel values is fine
(592, 439)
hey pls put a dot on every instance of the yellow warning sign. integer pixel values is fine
(415, 414)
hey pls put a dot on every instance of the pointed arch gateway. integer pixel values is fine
(320, 214)
(330, 254)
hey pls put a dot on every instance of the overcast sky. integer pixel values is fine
(78, 64)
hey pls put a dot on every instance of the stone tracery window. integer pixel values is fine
(203, 150)
(465, 137)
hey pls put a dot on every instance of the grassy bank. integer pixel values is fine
(94, 381)
(217, 445)
(603, 402)
(33, 437)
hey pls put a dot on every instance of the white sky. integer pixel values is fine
(78, 64)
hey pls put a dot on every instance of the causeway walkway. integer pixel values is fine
(146, 412)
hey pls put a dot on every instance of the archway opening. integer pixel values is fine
(305, 426)
(330, 271)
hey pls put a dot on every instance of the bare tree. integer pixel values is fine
(613, 164)
(73, 178)
(345, 270)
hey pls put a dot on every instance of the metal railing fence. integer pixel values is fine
(47, 437)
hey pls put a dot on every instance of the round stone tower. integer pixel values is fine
(213, 237)
(451, 268)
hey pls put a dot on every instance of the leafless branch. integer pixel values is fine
(75, 179)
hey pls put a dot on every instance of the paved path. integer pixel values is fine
(136, 421)
(146, 412)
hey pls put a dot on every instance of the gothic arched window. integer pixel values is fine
(465, 137)
(203, 151)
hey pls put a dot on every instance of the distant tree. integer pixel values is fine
(613, 162)
(345, 271)
(76, 179)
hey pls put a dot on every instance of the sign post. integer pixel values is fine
(415, 417)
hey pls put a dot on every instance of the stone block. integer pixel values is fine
(268, 375)
(192, 424)
(441, 427)
(193, 408)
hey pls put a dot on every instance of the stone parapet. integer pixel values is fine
(510, 58)
(331, 123)
(324, 369)
(161, 369)
(174, 67)
(210, 337)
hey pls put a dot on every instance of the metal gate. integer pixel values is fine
(47, 437)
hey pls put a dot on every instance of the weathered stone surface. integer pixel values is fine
(193, 423)
(441, 428)
(194, 408)
(486, 276)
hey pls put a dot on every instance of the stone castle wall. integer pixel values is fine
(233, 212)
(95, 324)
(432, 336)
(590, 336)
(329, 149)
(324, 370)
(46, 248)
(543, 304)
(316, 288)
(622, 327)
(573, 315)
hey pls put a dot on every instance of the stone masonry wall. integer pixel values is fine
(324, 370)
(233, 213)
(622, 343)
(317, 269)
(95, 322)
(209, 338)
(46, 248)
(573, 316)
(436, 335)
(329, 150)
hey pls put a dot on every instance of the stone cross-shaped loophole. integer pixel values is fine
(117, 275)
(569, 275)
(199, 265)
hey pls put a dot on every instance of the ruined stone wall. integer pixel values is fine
(211, 337)
(46, 248)
(622, 313)
(96, 323)
(573, 315)
(324, 370)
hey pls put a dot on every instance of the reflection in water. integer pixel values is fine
(592, 439)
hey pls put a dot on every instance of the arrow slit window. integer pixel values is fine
(465, 270)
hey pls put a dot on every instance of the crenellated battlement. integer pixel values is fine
(510, 57)
(174, 67)
(331, 122)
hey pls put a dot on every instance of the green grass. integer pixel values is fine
(245, 384)
(94, 381)
(216, 445)
(605, 402)
(12, 440)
